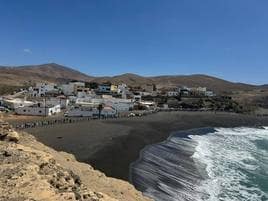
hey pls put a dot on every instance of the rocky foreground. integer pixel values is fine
(32, 171)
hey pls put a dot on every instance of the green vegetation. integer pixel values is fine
(7, 89)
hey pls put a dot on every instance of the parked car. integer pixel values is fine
(3, 109)
(131, 114)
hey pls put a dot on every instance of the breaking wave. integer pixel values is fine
(205, 164)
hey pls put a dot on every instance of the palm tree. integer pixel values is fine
(100, 108)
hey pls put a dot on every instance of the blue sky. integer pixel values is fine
(224, 38)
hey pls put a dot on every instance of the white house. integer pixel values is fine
(145, 93)
(148, 104)
(1, 101)
(81, 111)
(15, 103)
(60, 100)
(108, 111)
(88, 111)
(38, 110)
(172, 93)
(119, 104)
(42, 88)
(209, 93)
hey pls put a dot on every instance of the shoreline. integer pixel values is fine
(175, 168)
(112, 145)
(180, 134)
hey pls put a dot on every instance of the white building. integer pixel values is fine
(81, 111)
(60, 100)
(72, 87)
(38, 110)
(145, 93)
(148, 104)
(15, 103)
(88, 111)
(42, 88)
(108, 111)
(1, 101)
(118, 104)
(209, 93)
(172, 93)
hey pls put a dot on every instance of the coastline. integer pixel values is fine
(112, 145)
(189, 165)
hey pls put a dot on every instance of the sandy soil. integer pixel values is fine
(111, 145)
(29, 170)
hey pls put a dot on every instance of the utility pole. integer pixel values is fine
(45, 106)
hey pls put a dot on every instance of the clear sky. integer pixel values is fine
(224, 38)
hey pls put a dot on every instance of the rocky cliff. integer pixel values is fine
(32, 171)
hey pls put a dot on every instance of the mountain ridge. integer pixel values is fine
(52, 72)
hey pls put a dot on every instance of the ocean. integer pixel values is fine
(214, 164)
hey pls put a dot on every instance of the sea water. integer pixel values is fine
(225, 164)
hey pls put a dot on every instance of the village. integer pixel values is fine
(107, 100)
(81, 99)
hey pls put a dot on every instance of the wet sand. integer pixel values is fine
(111, 145)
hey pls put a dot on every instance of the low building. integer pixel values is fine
(38, 110)
(150, 105)
(82, 89)
(114, 88)
(137, 98)
(145, 93)
(198, 91)
(120, 105)
(15, 103)
(108, 111)
(60, 100)
(123, 90)
(209, 93)
(41, 89)
(184, 92)
(148, 87)
(89, 111)
(104, 88)
(72, 88)
(81, 111)
(172, 93)
(1, 101)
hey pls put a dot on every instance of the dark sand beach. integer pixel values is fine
(112, 145)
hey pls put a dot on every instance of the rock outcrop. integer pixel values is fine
(32, 171)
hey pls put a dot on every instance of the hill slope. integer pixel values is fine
(168, 81)
(32, 171)
(17, 76)
(213, 83)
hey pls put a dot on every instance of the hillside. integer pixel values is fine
(128, 78)
(25, 75)
(32, 171)
(213, 83)
(21, 75)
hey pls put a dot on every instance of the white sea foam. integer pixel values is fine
(222, 164)
(231, 156)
